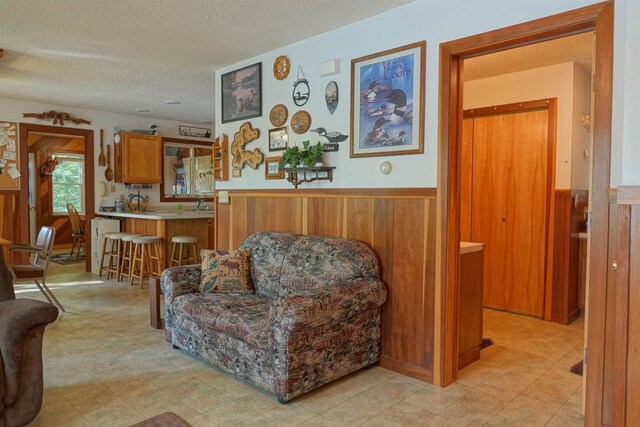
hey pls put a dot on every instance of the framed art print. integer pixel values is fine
(242, 93)
(273, 168)
(278, 139)
(387, 108)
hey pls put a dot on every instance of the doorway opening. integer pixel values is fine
(60, 181)
(597, 18)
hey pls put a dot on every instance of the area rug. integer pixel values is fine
(577, 368)
(66, 259)
(168, 419)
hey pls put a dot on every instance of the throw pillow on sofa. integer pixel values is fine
(226, 272)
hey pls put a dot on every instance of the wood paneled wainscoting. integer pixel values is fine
(400, 226)
(625, 263)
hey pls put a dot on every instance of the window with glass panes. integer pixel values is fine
(67, 183)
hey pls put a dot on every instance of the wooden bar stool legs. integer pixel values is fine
(126, 259)
(110, 253)
(147, 260)
(180, 242)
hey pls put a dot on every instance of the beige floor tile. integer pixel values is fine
(348, 414)
(439, 421)
(255, 421)
(374, 400)
(399, 388)
(290, 414)
(75, 421)
(230, 414)
(199, 421)
(407, 414)
(206, 401)
(433, 399)
(558, 421)
(258, 401)
(109, 415)
(319, 421)
(381, 421)
(466, 414)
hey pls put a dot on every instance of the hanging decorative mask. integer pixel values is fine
(301, 89)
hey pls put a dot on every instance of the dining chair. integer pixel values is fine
(37, 270)
(77, 230)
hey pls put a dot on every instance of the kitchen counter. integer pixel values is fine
(160, 214)
(166, 224)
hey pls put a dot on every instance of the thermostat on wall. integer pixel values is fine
(329, 68)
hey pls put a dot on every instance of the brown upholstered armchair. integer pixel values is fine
(22, 323)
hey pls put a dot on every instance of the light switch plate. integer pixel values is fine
(113, 188)
(223, 197)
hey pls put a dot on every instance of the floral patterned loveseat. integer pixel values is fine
(314, 316)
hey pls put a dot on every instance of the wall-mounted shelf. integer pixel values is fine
(297, 176)
(220, 156)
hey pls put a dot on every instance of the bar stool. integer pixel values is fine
(192, 254)
(113, 241)
(126, 257)
(146, 252)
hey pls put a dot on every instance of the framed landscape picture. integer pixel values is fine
(242, 93)
(387, 108)
(278, 139)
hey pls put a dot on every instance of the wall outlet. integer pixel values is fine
(223, 197)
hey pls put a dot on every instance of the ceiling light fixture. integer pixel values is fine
(172, 102)
(142, 110)
(204, 122)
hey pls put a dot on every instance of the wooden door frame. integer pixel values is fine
(598, 18)
(551, 106)
(89, 190)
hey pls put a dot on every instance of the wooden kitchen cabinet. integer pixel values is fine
(138, 159)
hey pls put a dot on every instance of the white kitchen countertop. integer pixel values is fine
(468, 247)
(160, 214)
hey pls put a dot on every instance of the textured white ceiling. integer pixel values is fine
(119, 55)
(576, 48)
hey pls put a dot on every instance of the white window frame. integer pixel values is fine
(70, 157)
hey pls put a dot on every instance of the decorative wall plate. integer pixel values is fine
(300, 122)
(279, 115)
(281, 67)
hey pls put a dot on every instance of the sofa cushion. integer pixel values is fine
(315, 262)
(226, 272)
(244, 317)
(268, 250)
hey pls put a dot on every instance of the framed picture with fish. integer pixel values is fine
(242, 93)
(387, 102)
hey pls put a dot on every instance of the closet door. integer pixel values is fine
(509, 207)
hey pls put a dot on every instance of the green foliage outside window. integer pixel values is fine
(67, 182)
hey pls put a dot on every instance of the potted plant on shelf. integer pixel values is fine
(291, 157)
(312, 154)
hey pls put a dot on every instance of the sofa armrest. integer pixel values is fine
(316, 307)
(17, 318)
(176, 281)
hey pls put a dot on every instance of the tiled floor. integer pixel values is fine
(104, 366)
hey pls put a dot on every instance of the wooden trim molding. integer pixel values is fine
(598, 18)
(418, 193)
(539, 104)
(628, 195)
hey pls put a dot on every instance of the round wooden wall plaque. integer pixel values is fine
(281, 67)
(300, 122)
(278, 115)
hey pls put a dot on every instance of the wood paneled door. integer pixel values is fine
(509, 199)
